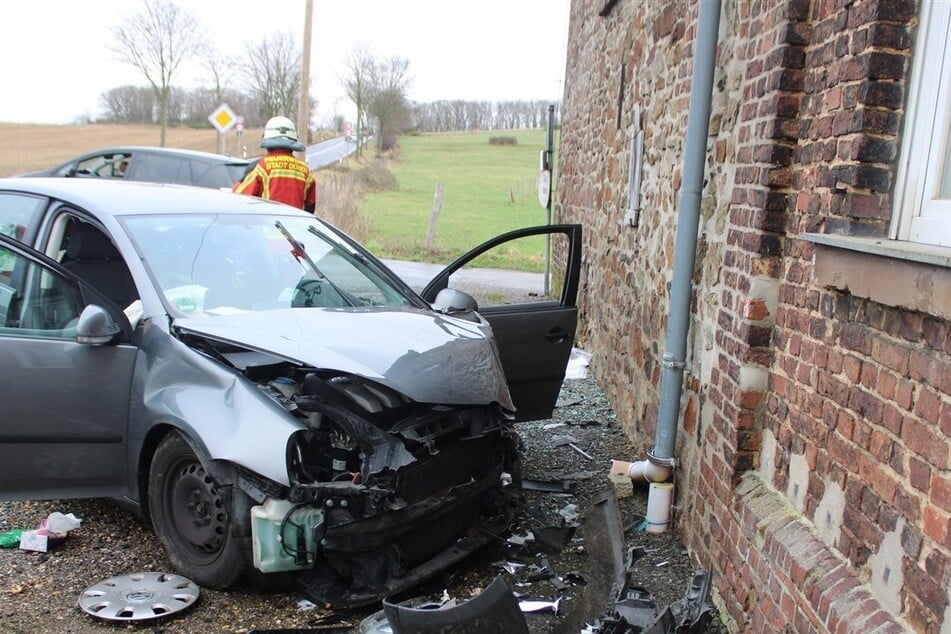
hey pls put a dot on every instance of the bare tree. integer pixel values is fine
(359, 65)
(390, 81)
(272, 75)
(128, 104)
(220, 69)
(157, 40)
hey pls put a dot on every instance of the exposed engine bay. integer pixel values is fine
(384, 492)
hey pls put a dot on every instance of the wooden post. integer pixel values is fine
(434, 216)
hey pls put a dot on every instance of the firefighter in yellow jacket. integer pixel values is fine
(279, 175)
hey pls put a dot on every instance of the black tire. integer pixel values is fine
(191, 517)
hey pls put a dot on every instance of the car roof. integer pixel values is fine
(116, 197)
(167, 151)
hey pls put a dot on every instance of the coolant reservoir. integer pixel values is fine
(281, 541)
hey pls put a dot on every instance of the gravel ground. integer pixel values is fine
(39, 592)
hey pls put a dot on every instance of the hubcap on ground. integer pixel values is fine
(138, 597)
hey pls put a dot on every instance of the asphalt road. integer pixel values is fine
(418, 274)
(328, 152)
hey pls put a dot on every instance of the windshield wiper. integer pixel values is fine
(299, 252)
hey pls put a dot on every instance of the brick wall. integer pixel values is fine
(813, 445)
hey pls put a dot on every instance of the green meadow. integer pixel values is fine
(488, 189)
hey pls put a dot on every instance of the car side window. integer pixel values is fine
(36, 301)
(208, 175)
(102, 166)
(162, 169)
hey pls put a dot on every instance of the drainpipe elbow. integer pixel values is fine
(642, 470)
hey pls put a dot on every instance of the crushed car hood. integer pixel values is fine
(429, 357)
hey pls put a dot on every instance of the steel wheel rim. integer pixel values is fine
(198, 513)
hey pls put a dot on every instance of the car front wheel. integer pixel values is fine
(191, 517)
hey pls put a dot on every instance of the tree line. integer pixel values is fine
(162, 36)
(191, 107)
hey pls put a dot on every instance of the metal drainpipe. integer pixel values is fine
(688, 223)
(660, 458)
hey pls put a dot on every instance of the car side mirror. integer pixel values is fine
(450, 301)
(96, 326)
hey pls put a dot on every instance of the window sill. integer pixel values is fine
(895, 273)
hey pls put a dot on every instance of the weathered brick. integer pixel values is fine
(941, 492)
(919, 474)
(935, 524)
(928, 405)
(926, 589)
(925, 442)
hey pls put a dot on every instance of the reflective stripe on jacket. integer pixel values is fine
(282, 177)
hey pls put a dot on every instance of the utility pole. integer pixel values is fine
(303, 109)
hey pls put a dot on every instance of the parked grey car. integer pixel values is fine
(262, 387)
(155, 165)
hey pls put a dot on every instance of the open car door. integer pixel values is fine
(533, 319)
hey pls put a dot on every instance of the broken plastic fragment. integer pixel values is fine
(11, 538)
(535, 606)
(510, 567)
(58, 525)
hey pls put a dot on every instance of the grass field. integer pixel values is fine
(27, 147)
(487, 189)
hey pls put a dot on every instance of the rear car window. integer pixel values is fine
(221, 175)
(163, 169)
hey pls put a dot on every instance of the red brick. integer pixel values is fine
(883, 482)
(941, 492)
(926, 442)
(935, 524)
(880, 446)
(919, 473)
(832, 594)
(755, 310)
(922, 366)
(852, 366)
(905, 394)
(892, 356)
(886, 386)
(892, 419)
(845, 424)
(750, 400)
(869, 375)
(928, 405)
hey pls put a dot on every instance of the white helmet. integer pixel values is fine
(279, 132)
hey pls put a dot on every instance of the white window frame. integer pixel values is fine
(919, 215)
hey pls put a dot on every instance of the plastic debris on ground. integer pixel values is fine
(11, 538)
(51, 531)
(578, 364)
(493, 610)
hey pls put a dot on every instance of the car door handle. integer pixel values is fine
(556, 335)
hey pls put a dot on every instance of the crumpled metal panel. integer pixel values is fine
(431, 358)
(230, 416)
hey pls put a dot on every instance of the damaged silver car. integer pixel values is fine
(261, 387)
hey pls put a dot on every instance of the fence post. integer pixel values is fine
(434, 216)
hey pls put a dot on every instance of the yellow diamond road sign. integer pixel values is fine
(223, 118)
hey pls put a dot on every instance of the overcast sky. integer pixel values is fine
(57, 62)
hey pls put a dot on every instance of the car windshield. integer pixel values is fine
(214, 264)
